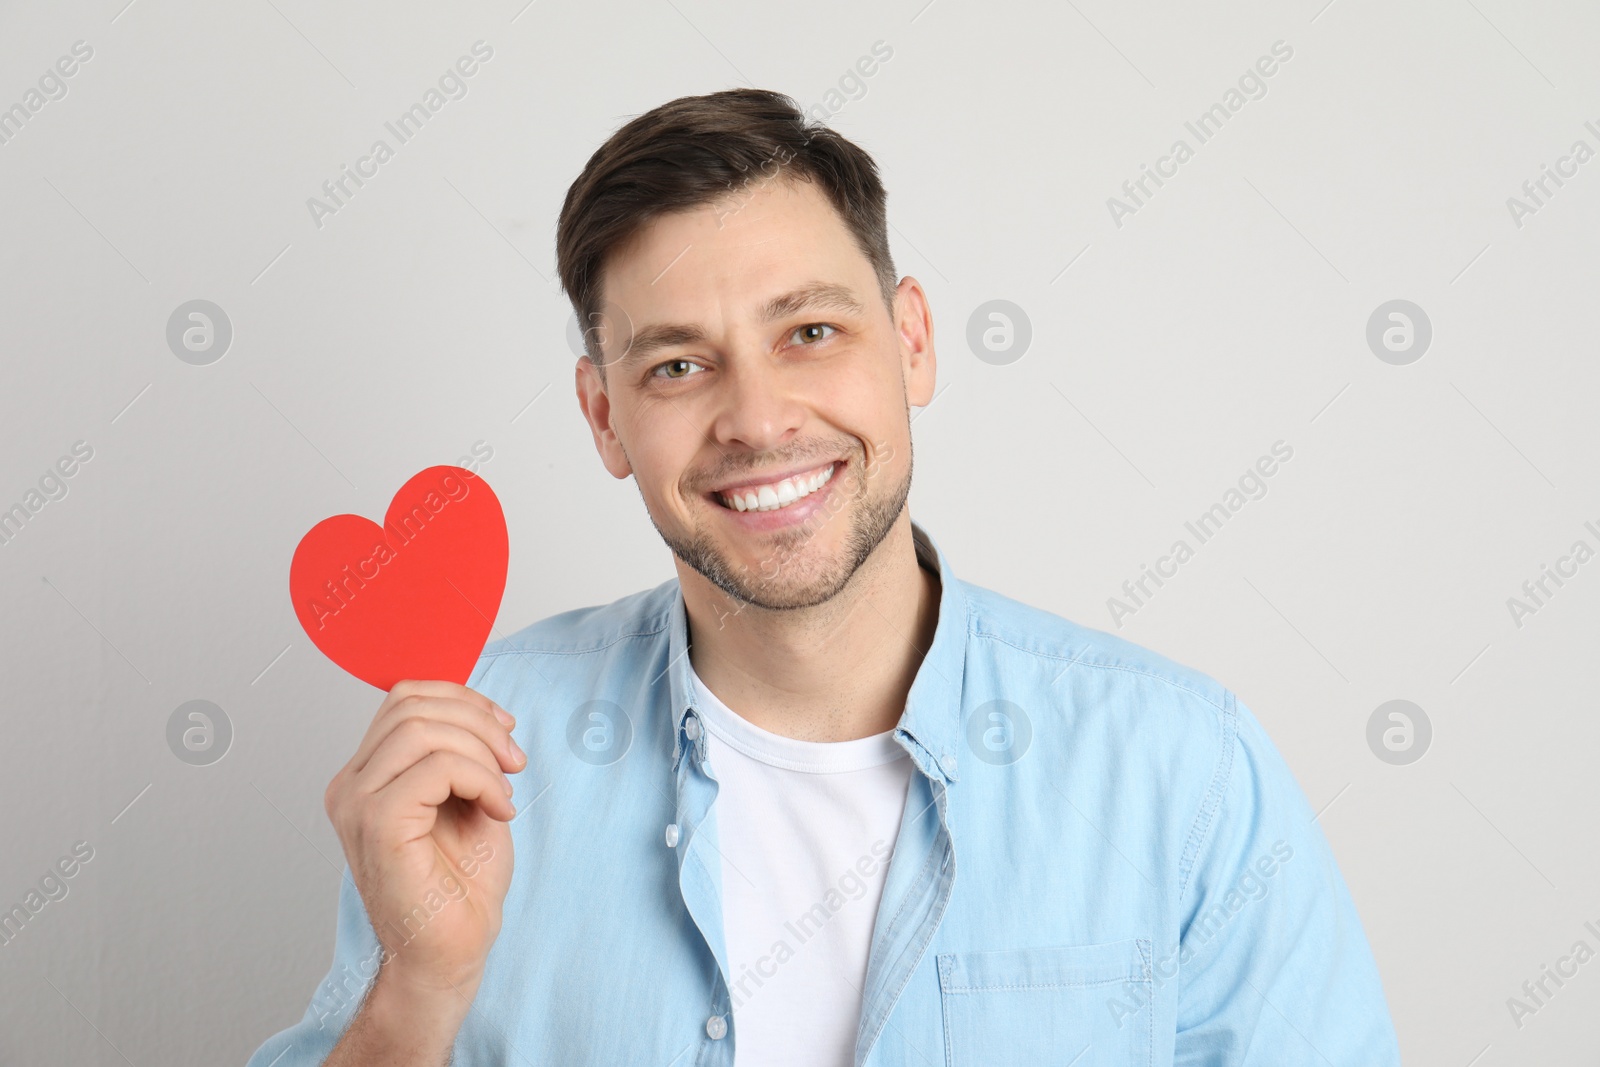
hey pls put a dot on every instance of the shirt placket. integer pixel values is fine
(918, 885)
(693, 836)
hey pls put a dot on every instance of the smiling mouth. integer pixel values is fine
(775, 496)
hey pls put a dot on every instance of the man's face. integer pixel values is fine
(757, 389)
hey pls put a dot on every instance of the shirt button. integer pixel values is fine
(672, 835)
(691, 727)
(716, 1028)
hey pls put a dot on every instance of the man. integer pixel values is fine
(816, 801)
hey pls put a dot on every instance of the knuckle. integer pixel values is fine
(470, 771)
(414, 728)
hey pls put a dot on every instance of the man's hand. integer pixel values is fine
(421, 810)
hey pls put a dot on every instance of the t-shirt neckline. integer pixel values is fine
(790, 753)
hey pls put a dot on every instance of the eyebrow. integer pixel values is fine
(813, 296)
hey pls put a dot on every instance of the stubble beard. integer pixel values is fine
(788, 578)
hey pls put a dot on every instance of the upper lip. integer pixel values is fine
(772, 479)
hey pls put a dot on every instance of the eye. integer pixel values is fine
(676, 369)
(810, 333)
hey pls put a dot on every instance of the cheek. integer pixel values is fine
(861, 388)
(662, 441)
(869, 402)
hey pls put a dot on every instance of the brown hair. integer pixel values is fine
(693, 151)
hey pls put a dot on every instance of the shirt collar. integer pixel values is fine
(931, 722)
(933, 708)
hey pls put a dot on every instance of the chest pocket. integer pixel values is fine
(1057, 1006)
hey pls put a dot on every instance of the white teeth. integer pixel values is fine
(779, 494)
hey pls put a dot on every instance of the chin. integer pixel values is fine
(796, 568)
(781, 584)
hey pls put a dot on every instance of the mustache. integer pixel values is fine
(734, 467)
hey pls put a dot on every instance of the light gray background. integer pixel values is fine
(1167, 355)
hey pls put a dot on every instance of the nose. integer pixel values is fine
(759, 406)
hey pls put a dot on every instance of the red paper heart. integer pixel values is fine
(414, 598)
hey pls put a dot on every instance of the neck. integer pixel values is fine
(836, 671)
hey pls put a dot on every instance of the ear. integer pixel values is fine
(595, 403)
(913, 323)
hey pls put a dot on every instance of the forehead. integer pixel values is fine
(727, 257)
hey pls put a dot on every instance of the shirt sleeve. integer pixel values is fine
(357, 954)
(1273, 964)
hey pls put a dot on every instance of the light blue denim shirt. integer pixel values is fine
(1103, 861)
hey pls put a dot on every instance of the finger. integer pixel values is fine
(435, 688)
(415, 796)
(415, 738)
(467, 716)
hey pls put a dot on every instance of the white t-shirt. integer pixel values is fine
(806, 829)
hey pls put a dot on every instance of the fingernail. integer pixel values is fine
(505, 717)
(516, 751)
(507, 783)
